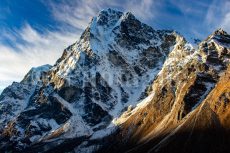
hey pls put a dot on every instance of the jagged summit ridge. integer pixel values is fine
(103, 47)
(111, 25)
(122, 81)
(220, 36)
(184, 103)
(36, 74)
(220, 31)
(108, 17)
(97, 78)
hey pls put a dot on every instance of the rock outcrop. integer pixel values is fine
(123, 87)
(187, 106)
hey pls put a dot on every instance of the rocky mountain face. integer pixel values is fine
(123, 87)
(187, 109)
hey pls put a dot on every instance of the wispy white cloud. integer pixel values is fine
(144, 9)
(195, 8)
(78, 13)
(37, 49)
(226, 22)
(218, 15)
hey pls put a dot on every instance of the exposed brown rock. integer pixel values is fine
(190, 109)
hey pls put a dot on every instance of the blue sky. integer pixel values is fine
(35, 32)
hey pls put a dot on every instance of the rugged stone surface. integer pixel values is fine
(187, 108)
(123, 86)
(95, 80)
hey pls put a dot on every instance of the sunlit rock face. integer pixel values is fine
(187, 109)
(123, 86)
(97, 78)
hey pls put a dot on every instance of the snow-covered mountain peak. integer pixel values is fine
(219, 36)
(220, 31)
(108, 70)
(35, 74)
(113, 31)
(118, 65)
(108, 17)
(112, 26)
(215, 49)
